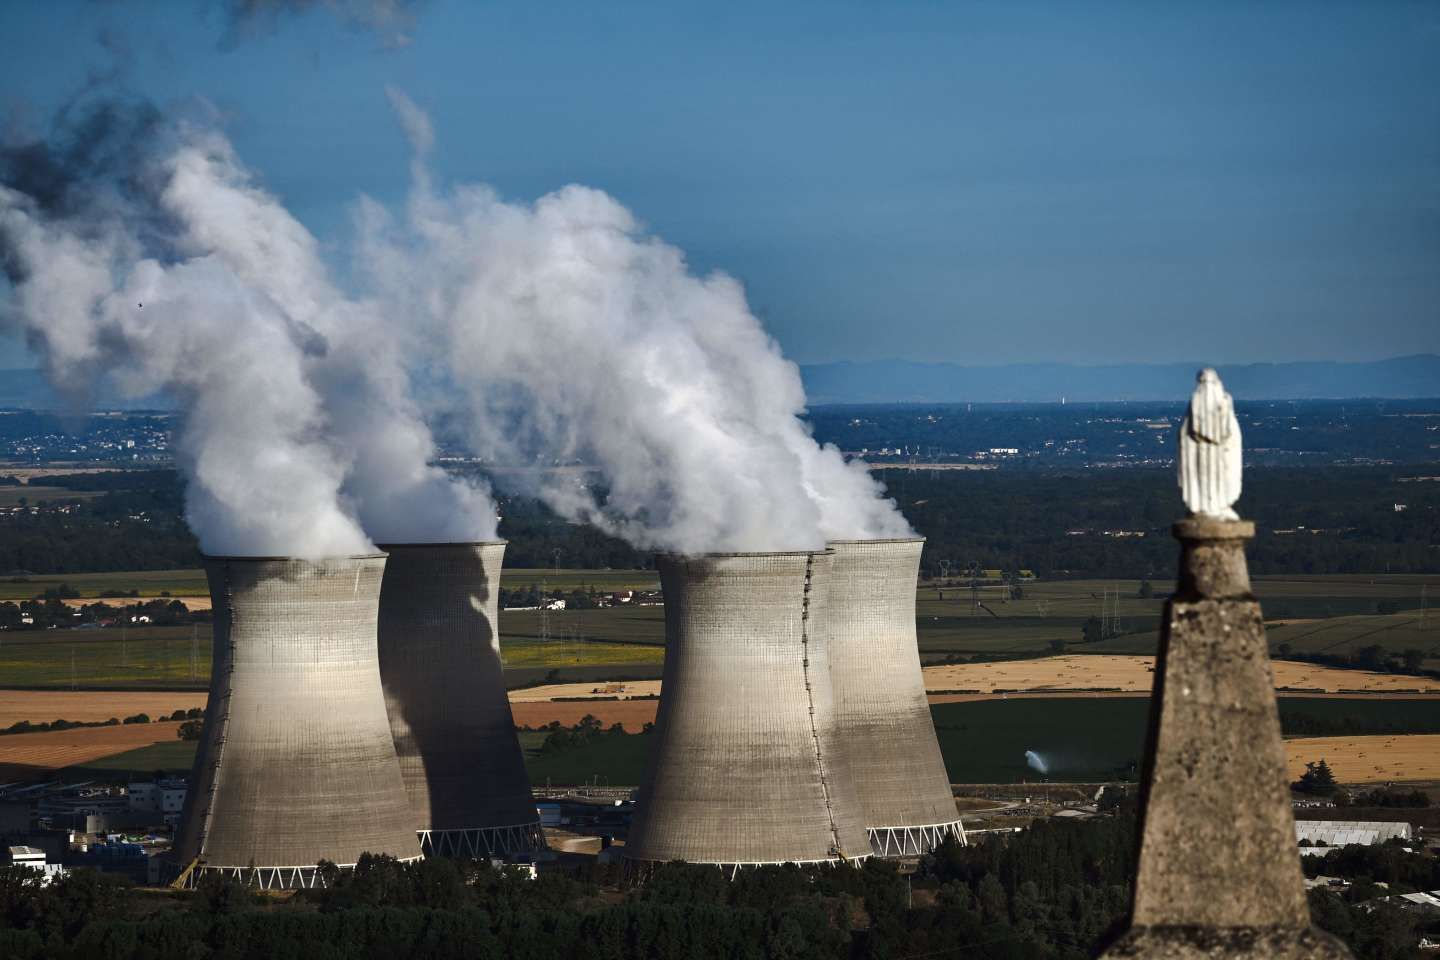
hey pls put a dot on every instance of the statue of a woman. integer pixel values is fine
(1210, 450)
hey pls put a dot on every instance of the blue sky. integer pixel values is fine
(980, 183)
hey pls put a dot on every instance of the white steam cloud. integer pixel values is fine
(574, 336)
(298, 436)
(566, 332)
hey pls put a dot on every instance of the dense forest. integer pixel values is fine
(1080, 523)
(1059, 890)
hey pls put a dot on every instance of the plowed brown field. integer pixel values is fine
(42, 706)
(1135, 675)
(1369, 759)
(632, 714)
(23, 754)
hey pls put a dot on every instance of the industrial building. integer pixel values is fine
(881, 709)
(1319, 837)
(439, 643)
(296, 762)
(165, 797)
(747, 767)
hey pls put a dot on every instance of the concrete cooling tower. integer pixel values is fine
(883, 716)
(296, 764)
(445, 695)
(747, 767)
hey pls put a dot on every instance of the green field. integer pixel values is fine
(174, 757)
(983, 742)
(1331, 614)
(169, 658)
(567, 579)
(191, 583)
(11, 496)
(1087, 740)
(612, 761)
(1322, 614)
(562, 654)
(150, 583)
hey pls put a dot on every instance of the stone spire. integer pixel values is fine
(1218, 873)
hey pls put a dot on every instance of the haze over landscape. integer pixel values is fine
(806, 480)
(998, 184)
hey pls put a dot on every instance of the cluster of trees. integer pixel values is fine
(538, 538)
(52, 612)
(1059, 890)
(1055, 522)
(586, 733)
(1367, 865)
(1377, 929)
(1050, 893)
(1318, 780)
(26, 726)
(1295, 720)
(1373, 657)
(533, 596)
(136, 524)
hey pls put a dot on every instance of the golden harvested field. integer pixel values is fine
(537, 706)
(631, 714)
(24, 753)
(1136, 674)
(1368, 759)
(630, 688)
(191, 603)
(42, 706)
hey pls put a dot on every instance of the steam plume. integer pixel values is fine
(390, 20)
(570, 334)
(152, 260)
(573, 335)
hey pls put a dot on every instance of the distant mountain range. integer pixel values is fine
(904, 381)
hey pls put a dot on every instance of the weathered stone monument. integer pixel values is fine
(1219, 873)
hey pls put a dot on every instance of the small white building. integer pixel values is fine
(33, 858)
(164, 796)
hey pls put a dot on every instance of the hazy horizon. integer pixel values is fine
(981, 184)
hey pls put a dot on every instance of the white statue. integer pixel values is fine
(1210, 450)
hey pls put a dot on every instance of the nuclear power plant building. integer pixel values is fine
(747, 767)
(883, 715)
(445, 695)
(296, 763)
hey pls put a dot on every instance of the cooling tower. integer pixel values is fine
(296, 763)
(882, 714)
(445, 694)
(746, 767)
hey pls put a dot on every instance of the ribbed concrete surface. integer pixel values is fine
(883, 715)
(445, 690)
(296, 763)
(746, 765)
(1218, 873)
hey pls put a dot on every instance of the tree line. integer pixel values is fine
(1057, 523)
(1057, 891)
